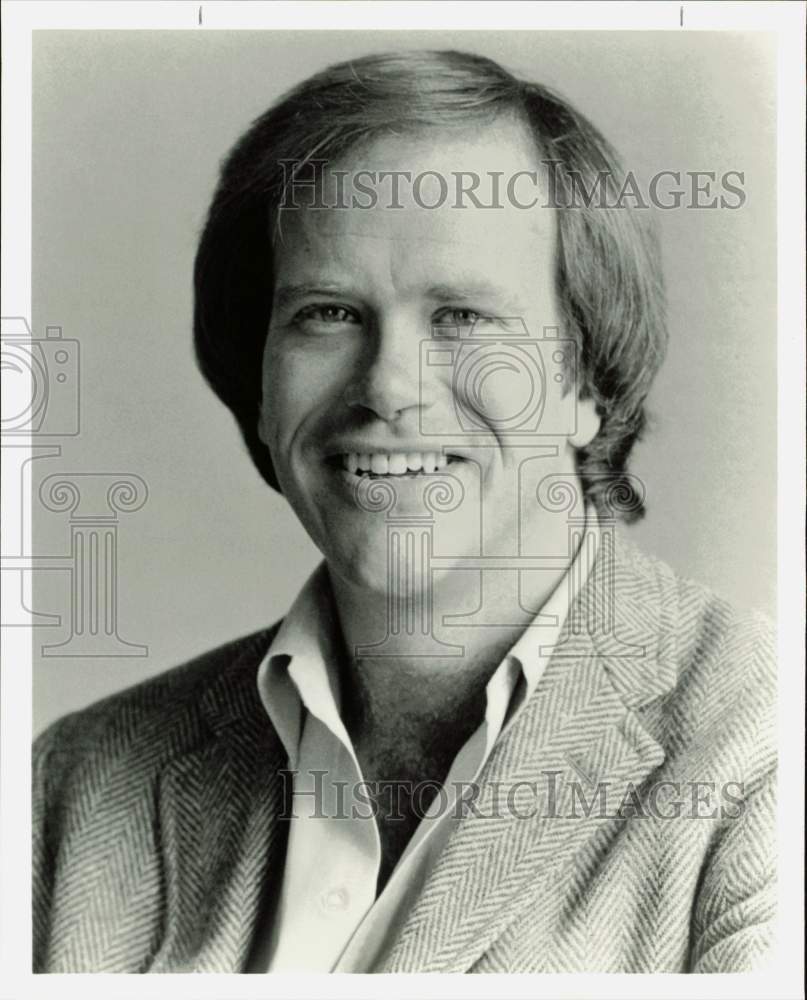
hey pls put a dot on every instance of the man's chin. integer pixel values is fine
(357, 554)
(397, 563)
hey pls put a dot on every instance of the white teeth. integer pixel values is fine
(395, 464)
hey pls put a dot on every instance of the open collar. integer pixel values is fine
(221, 805)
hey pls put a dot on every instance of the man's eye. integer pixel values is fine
(327, 314)
(457, 317)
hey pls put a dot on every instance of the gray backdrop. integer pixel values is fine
(129, 128)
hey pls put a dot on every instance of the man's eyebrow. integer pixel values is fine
(480, 293)
(288, 294)
(464, 290)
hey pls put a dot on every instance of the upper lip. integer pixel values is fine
(395, 448)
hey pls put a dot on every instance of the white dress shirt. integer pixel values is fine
(328, 918)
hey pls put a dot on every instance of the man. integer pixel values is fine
(489, 735)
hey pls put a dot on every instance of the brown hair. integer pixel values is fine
(608, 273)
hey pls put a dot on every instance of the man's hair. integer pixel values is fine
(608, 276)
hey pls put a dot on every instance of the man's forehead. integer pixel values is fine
(412, 250)
(501, 144)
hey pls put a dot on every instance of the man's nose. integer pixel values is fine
(389, 381)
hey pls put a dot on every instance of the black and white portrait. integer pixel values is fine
(395, 499)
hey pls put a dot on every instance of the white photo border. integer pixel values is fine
(786, 21)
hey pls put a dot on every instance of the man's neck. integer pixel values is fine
(427, 705)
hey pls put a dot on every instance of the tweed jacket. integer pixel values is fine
(159, 835)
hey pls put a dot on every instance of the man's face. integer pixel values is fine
(348, 385)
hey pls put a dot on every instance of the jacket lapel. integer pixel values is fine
(580, 736)
(223, 841)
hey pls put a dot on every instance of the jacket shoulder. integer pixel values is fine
(149, 722)
(721, 647)
(722, 668)
(703, 625)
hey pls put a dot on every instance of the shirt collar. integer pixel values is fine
(299, 668)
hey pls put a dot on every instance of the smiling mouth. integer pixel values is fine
(386, 464)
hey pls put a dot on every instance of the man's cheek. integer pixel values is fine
(281, 421)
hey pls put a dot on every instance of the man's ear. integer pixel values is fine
(588, 423)
(261, 426)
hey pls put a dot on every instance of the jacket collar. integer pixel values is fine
(223, 844)
(581, 733)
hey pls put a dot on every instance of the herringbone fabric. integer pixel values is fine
(624, 823)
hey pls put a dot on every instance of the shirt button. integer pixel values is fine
(336, 899)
